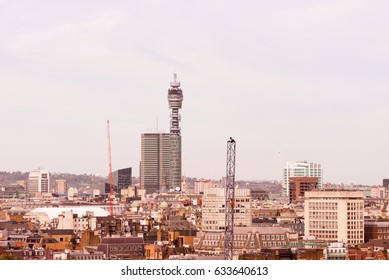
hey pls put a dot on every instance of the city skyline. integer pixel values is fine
(289, 81)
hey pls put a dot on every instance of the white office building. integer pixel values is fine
(335, 216)
(38, 182)
(213, 208)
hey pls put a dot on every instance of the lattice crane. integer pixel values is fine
(230, 200)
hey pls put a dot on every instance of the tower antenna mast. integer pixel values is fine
(111, 193)
(175, 98)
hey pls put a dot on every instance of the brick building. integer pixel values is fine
(129, 248)
(376, 230)
(299, 185)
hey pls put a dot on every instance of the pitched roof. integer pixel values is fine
(58, 231)
(261, 230)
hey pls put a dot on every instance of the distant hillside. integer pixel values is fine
(73, 180)
(8, 178)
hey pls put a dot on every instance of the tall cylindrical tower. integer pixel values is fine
(175, 98)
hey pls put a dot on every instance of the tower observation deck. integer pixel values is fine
(175, 98)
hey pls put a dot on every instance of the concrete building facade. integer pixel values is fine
(38, 182)
(213, 208)
(61, 186)
(335, 216)
(155, 160)
(201, 185)
(378, 192)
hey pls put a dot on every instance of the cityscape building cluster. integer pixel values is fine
(164, 215)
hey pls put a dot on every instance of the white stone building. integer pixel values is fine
(38, 182)
(335, 216)
(213, 207)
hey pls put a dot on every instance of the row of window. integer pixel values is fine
(241, 244)
(126, 248)
(323, 224)
(356, 236)
(356, 241)
(323, 205)
(355, 225)
(244, 237)
(355, 206)
(324, 234)
(323, 215)
(273, 244)
(272, 237)
(382, 237)
(355, 215)
(210, 243)
(90, 258)
(34, 253)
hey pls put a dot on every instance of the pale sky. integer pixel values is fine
(307, 78)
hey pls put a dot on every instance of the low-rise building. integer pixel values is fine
(213, 209)
(376, 230)
(156, 251)
(130, 248)
(335, 251)
(246, 240)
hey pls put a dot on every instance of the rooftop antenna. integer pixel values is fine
(280, 160)
(183, 187)
(111, 192)
(283, 185)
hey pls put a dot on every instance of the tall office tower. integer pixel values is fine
(385, 183)
(154, 165)
(38, 182)
(301, 169)
(175, 98)
(335, 216)
(213, 207)
(122, 178)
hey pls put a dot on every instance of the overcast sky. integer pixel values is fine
(288, 80)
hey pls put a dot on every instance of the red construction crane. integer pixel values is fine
(111, 193)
